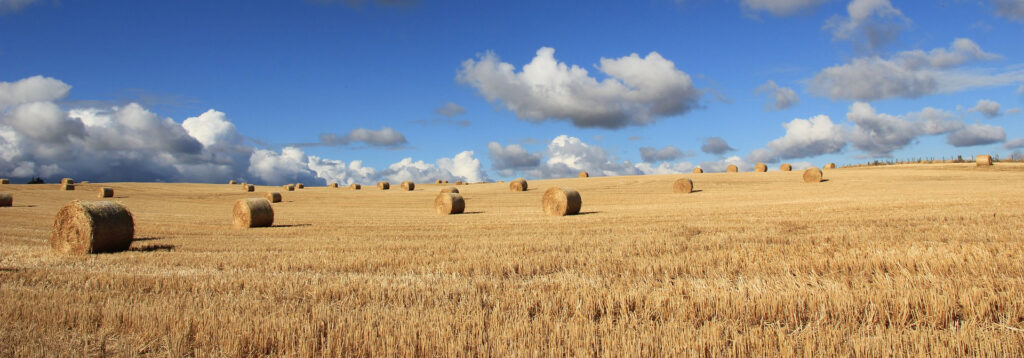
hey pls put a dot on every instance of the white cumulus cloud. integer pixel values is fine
(1010, 9)
(781, 97)
(976, 134)
(32, 89)
(987, 108)
(870, 23)
(804, 138)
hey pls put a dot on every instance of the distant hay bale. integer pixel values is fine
(984, 160)
(785, 167)
(106, 192)
(698, 170)
(232, 182)
(450, 190)
(5, 181)
(383, 185)
(333, 185)
(300, 186)
(355, 186)
(273, 197)
(518, 185)
(252, 212)
(812, 175)
(584, 174)
(437, 181)
(244, 185)
(249, 187)
(683, 185)
(561, 202)
(67, 181)
(760, 167)
(288, 187)
(449, 203)
(408, 186)
(446, 182)
(88, 227)
(732, 168)
(6, 199)
(459, 182)
(67, 187)
(830, 166)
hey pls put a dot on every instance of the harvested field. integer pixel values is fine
(877, 261)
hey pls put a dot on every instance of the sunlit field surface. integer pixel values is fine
(899, 260)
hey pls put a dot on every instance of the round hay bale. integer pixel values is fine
(67, 187)
(785, 167)
(89, 227)
(249, 187)
(6, 199)
(232, 182)
(459, 182)
(518, 185)
(106, 192)
(683, 185)
(561, 202)
(408, 186)
(446, 182)
(355, 186)
(812, 175)
(333, 185)
(732, 168)
(761, 168)
(300, 186)
(584, 174)
(383, 185)
(449, 203)
(983, 160)
(5, 181)
(450, 190)
(273, 197)
(830, 166)
(698, 170)
(67, 181)
(437, 181)
(288, 187)
(252, 212)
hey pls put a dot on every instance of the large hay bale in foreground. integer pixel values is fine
(333, 185)
(732, 168)
(383, 185)
(761, 168)
(983, 160)
(252, 212)
(698, 170)
(584, 174)
(6, 199)
(232, 182)
(518, 185)
(786, 167)
(67, 181)
(355, 186)
(288, 187)
(300, 186)
(106, 192)
(88, 227)
(67, 187)
(683, 185)
(408, 186)
(449, 203)
(249, 188)
(812, 175)
(273, 197)
(830, 166)
(561, 202)
(5, 181)
(450, 190)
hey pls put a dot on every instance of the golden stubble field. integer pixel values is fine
(906, 260)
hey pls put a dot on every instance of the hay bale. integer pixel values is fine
(408, 186)
(459, 182)
(830, 166)
(383, 185)
(785, 167)
(683, 185)
(761, 168)
(355, 186)
(273, 197)
(450, 190)
(446, 182)
(561, 202)
(732, 168)
(584, 174)
(5, 181)
(6, 199)
(983, 160)
(333, 185)
(288, 187)
(437, 181)
(518, 185)
(67, 181)
(67, 187)
(232, 182)
(249, 188)
(698, 170)
(300, 186)
(449, 203)
(812, 175)
(106, 192)
(88, 227)
(252, 212)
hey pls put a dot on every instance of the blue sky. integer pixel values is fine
(358, 91)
